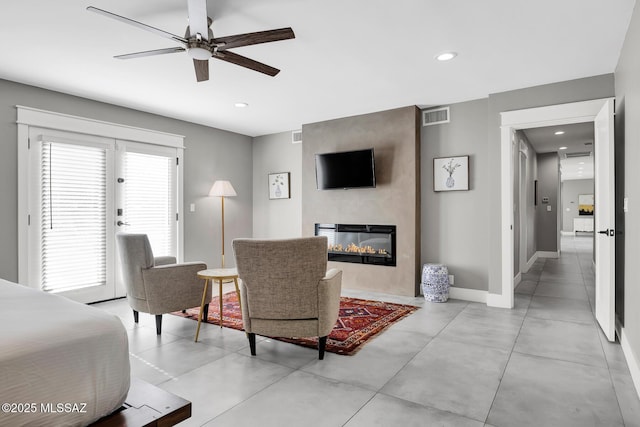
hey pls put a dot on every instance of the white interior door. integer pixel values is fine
(605, 220)
(523, 212)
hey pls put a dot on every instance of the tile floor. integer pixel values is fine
(544, 363)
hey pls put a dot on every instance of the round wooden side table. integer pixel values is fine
(220, 275)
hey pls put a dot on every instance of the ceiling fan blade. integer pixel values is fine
(243, 61)
(150, 53)
(202, 70)
(198, 18)
(140, 25)
(247, 39)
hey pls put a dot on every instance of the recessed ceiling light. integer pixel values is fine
(581, 163)
(241, 104)
(446, 56)
(562, 148)
(560, 132)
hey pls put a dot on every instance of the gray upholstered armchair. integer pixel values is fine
(158, 285)
(286, 289)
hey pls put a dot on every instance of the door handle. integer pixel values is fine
(120, 223)
(608, 232)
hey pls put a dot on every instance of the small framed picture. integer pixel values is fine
(451, 173)
(585, 204)
(279, 185)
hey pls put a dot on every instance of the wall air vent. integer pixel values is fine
(574, 155)
(435, 116)
(296, 137)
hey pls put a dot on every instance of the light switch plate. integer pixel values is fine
(549, 208)
(192, 207)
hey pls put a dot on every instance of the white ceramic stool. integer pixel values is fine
(435, 282)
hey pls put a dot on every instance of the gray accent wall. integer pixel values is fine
(395, 138)
(547, 230)
(571, 189)
(453, 223)
(628, 94)
(210, 154)
(281, 218)
(556, 93)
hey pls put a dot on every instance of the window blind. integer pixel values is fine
(73, 226)
(149, 201)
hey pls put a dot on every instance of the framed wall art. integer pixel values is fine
(451, 173)
(279, 185)
(585, 204)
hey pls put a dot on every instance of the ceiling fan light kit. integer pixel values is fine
(200, 44)
(199, 53)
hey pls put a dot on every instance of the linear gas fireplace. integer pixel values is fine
(359, 243)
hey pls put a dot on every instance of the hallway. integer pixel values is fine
(562, 352)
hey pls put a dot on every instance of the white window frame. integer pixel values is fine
(32, 117)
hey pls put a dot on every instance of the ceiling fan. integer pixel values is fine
(200, 44)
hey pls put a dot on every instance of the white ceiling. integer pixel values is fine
(577, 138)
(348, 57)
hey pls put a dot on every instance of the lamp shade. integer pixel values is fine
(222, 189)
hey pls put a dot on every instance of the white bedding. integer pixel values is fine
(62, 363)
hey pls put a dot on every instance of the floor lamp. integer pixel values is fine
(222, 189)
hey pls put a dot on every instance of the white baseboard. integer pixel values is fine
(532, 261)
(499, 301)
(465, 294)
(548, 254)
(517, 280)
(632, 361)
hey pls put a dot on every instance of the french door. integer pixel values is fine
(146, 194)
(82, 190)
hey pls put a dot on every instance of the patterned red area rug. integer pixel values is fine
(358, 321)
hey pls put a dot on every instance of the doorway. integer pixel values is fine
(82, 191)
(81, 181)
(600, 112)
(561, 172)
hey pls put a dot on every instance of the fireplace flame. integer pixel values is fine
(353, 248)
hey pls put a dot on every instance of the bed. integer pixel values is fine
(62, 363)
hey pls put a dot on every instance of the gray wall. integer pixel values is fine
(394, 135)
(281, 218)
(462, 229)
(557, 93)
(210, 154)
(483, 235)
(628, 93)
(548, 186)
(570, 191)
(454, 228)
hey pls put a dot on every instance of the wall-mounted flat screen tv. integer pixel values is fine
(347, 169)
